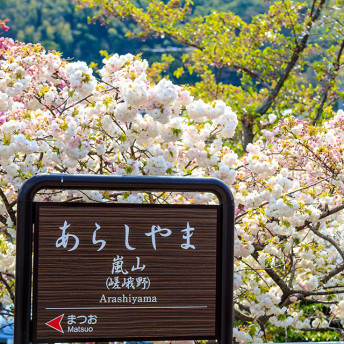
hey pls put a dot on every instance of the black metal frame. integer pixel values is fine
(25, 220)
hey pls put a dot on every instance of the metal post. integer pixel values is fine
(23, 272)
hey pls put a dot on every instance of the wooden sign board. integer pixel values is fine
(126, 272)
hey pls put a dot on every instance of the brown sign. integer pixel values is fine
(125, 272)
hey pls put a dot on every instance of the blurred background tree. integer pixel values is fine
(57, 25)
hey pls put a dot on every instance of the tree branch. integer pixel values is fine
(291, 21)
(293, 270)
(276, 278)
(8, 207)
(253, 75)
(310, 293)
(317, 301)
(243, 316)
(339, 268)
(333, 273)
(322, 216)
(327, 89)
(244, 307)
(9, 289)
(254, 270)
(3, 219)
(295, 57)
(315, 230)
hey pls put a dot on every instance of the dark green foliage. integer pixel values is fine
(246, 9)
(57, 25)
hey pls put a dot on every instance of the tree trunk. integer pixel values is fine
(247, 125)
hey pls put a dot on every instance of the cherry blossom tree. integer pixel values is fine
(291, 56)
(56, 116)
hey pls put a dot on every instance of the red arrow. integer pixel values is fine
(56, 323)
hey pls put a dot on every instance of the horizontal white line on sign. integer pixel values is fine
(124, 307)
